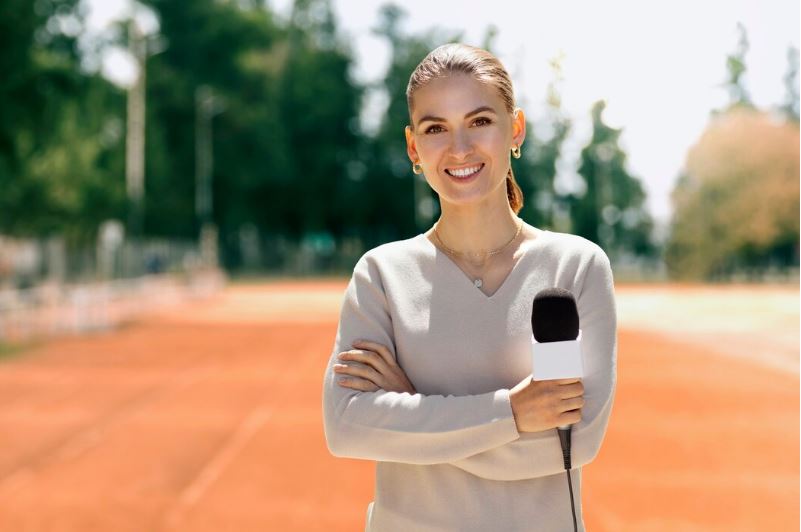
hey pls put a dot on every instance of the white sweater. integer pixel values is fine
(449, 458)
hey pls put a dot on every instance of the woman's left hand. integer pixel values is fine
(374, 368)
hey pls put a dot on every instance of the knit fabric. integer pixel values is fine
(449, 457)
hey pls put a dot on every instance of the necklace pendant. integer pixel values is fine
(478, 283)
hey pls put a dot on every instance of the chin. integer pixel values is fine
(475, 196)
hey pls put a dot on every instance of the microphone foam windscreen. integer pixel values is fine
(554, 316)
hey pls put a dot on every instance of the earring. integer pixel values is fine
(516, 151)
(417, 168)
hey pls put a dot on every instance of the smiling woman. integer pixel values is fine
(492, 126)
(430, 374)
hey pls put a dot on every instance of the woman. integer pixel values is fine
(430, 374)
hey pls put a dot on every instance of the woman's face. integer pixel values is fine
(462, 136)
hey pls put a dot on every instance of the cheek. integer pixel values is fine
(491, 139)
(432, 146)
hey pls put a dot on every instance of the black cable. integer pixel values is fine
(564, 440)
(572, 504)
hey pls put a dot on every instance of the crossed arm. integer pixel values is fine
(377, 414)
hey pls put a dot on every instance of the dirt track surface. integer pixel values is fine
(208, 419)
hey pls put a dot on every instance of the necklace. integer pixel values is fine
(477, 281)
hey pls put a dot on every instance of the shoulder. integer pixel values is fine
(583, 266)
(395, 251)
(575, 248)
(391, 259)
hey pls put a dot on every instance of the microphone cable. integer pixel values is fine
(564, 440)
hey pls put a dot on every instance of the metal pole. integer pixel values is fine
(135, 137)
(203, 155)
(207, 105)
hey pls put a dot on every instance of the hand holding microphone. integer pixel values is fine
(544, 405)
(553, 395)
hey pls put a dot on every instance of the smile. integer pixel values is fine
(463, 173)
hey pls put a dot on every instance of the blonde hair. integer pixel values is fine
(456, 58)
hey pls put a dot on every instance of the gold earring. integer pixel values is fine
(516, 152)
(417, 168)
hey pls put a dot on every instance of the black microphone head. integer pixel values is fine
(554, 316)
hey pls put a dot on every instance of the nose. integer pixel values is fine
(461, 145)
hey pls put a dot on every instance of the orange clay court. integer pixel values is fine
(207, 418)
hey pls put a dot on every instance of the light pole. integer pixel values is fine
(141, 44)
(135, 132)
(207, 105)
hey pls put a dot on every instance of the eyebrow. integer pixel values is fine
(431, 118)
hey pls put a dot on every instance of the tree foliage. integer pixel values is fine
(735, 71)
(286, 129)
(611, 211)
(736, 205)
(291, 158)
(60, 128)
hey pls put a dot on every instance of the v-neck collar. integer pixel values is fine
(469, 282)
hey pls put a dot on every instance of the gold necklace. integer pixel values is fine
(477, 281)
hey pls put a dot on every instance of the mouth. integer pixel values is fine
(465, 172)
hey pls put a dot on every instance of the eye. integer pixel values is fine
(428, 131)
(484, 119)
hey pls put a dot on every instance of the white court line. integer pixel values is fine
(214, 468)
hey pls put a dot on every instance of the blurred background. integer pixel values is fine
(275, 130)
(200, 178)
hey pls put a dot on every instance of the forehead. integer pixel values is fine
(453, 97)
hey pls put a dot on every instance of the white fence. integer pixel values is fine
(52, 309)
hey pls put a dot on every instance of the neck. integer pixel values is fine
(476, 229)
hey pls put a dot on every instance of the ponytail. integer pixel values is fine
(513, 192)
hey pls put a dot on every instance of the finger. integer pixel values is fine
(571, 390)
(366, 357)
(359, 370)
(571, 404)
(357, 384)
(569, 417)
(382, 350)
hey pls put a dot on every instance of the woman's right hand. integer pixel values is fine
(543, 405)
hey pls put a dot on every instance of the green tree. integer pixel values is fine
(282, 143)
(736, 68)
(611, 212)
(320, 106)
(60, 147)
(208, 45)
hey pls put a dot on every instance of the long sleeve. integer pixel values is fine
(401, 427)
(538, 454)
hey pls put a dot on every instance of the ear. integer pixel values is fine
(518, 127)
(411, 145)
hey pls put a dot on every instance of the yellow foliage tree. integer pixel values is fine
(736, 205)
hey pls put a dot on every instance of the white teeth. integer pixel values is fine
(464, 172)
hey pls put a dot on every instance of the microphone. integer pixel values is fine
(556, 341)
(556, 352)
(554, 316)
